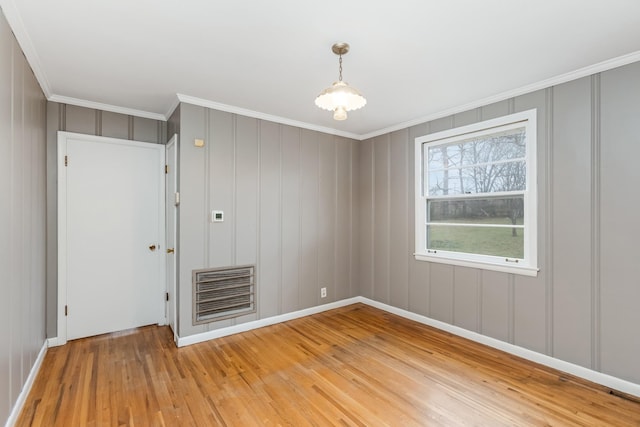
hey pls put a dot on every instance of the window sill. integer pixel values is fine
(521, 270)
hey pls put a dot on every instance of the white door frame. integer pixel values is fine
(61, 339)
(171, 202)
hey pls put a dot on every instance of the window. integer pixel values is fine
(476, 195)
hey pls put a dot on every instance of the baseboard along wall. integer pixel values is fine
(609, 381)
(614, 383)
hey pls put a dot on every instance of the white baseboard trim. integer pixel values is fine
(551, 362)
(244, 327)
(26, 388)
(55, 342)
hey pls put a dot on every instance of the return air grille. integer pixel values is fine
(222, 293)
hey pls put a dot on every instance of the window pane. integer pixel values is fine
(502, 242)
(490, 178)
(496, 147)
(450, 182)
(503, 210)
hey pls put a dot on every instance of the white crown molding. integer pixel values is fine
(17, 26)
(543, 84)
(263, 116)
(106, 107)
(172, 107)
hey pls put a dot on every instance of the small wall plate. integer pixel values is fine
(217, 216)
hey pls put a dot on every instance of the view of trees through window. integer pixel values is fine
(475, 194)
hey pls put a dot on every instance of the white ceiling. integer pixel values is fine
(412, 59)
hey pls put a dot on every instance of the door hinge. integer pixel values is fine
(66, 310)
(166, 295)
(66, 160)
(166, 168)
(177, 199)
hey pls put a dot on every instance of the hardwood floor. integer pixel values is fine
(355, 366)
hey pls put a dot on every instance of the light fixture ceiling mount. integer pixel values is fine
(340, 97)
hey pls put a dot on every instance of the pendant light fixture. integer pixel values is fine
(340, 97)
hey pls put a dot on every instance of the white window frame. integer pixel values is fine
(529, 264)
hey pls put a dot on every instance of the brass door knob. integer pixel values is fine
(170, 250)
(152, 248)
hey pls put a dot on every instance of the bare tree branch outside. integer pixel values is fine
(493, 167)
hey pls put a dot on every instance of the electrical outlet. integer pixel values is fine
(323, 292)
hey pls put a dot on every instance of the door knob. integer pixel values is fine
(152, 248)
(170, 250)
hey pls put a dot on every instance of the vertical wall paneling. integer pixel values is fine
(585, 293)
(221, 180)
(309, 216)
(595, 222)
(467, 117)
(53, 114)
(398, 219)
(466, 296)
(286, 194)
(6, 192)
(206, 148)
(173, 124)
(38, 219)
(193, 210)
(146, 130)
(530, 321)
(441, 292)
(366, 218)
(114, 125)
(327, 215)
(381, 227)
(571, 208)
(16, 200)
(22, 220)
(620, 229)
(354, 217)
(247, 189)
(342, 233)
(495, 305)
(548, 219)
(495, 110)
(25, 235)
(290, 208)
(270, 222)
(80, 120)
(419, 272)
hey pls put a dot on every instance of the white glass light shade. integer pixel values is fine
(340, 98)
(340, 114)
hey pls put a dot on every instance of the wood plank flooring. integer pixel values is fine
(353, 366)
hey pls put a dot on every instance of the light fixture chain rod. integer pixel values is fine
(340, 77)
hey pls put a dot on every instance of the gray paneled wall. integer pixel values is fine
(583, 306)
(70, 118)
(22, 220)
(287, 197)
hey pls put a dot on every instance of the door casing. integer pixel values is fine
(171, 202)
(63, 139)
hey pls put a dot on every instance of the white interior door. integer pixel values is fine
(171, 215)
(111, 225)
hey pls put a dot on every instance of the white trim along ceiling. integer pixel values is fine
(414, 61)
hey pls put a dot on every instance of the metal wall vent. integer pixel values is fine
(223, 293)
